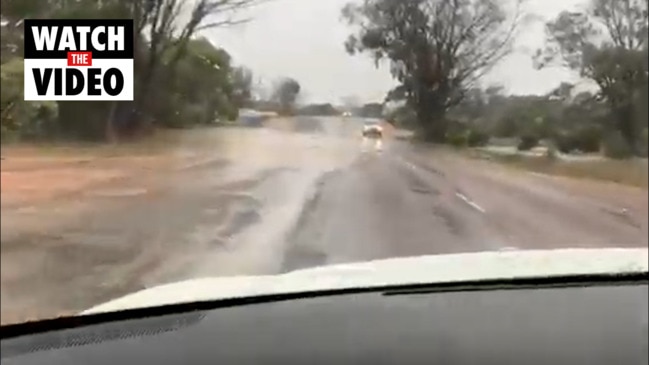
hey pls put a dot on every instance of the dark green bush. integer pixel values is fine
(457, 139)
(587, 139)
(644, 143)
(527, 143)
(477, 138)
(615, 146)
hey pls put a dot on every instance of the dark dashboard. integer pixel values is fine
(599, 324)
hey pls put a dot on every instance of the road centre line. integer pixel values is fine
(470, 203)
(462, 197)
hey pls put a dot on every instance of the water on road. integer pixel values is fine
(298, 193)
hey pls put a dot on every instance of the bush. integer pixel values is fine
(527, 143)
(457, 139)
(477, 138)
(564, 143)
(506, 127)
(587, 139)
(615, 146)
(644, 143)
(22, 119)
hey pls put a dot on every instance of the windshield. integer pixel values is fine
(243, 151)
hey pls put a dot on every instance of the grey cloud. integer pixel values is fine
(304, 39)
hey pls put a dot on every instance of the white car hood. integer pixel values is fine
(399, 271)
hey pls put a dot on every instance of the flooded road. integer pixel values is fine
(298, 193)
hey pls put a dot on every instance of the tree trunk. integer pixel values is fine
(431, 118)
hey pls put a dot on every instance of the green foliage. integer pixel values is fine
(201, 90)
(461, 134)
(402, 116)
(242, 83)
(434, 49)
(586, 140)
(457, 139)
(570, 123)
(527, 143)
(506, 127)
(286, 93)
(318, 110)
(371, 110)
(22, 119)
(477, 138)
(607, 43)
(616, 146)
(180, 81)
(644, 144)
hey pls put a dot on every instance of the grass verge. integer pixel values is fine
(633, 172)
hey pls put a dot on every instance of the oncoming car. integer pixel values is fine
(373, 129)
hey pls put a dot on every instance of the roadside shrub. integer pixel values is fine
(477, 138)
(527, 143)
(506, 127)
(587, 139)
(615, 146)
(457, 139)
(22, 119)
(644, 143)
(564, 143)
(43, 121)
(228, 113)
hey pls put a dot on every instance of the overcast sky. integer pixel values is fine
(304, 39)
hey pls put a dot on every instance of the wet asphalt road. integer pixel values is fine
(305, 193)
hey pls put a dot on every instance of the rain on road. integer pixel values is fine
(306, 192)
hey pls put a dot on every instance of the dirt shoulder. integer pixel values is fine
(632, 172)
(77, 221)
(43, 188)
(34, 175)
